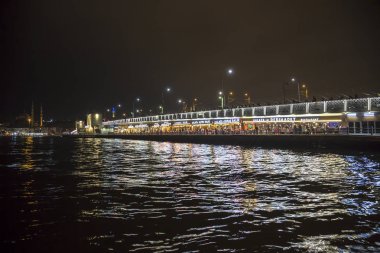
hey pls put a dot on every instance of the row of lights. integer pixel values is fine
(221, 97)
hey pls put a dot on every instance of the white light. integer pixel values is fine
(220, 93)
(179, 101)
(293, 79)
(119, 105)
(137, 99)
(168, 89)
(369, 114)
(230, 71)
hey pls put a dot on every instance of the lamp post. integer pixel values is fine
(247, 98)
(230, 72)
(195, 103)
(167, 90)
(298, 87)
(183, 104)
(133, 106)
(230, 98)
(221, 98)
(304, 91)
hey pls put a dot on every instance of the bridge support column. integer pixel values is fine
(265, 110)
(277, 109)
(324, 106)
(291, 109)
(345, 105)
(307, 108)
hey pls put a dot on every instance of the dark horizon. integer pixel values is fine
(76, 57)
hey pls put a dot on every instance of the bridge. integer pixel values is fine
(361, 114)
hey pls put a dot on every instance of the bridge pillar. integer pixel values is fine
(324, 106)
(265, 110)
(345, 105)
(253, 111)
(277, 109)
(307, 108)
(242, 112)
(291, 108)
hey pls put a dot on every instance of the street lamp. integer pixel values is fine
(161, 109)
(133, 106)
(247, 98)
(195, 103)
(221, 101)
(183, 104)
(230, 72)
(298, 87)
(221, 97)
(230, 98)
(167, 90)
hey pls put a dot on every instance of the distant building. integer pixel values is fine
(79, 126)
(22, 120)
(94, 122)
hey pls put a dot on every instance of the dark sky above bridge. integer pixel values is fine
(78, 56)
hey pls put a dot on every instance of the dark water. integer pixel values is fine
(98, 195)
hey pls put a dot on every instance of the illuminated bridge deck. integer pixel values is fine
(354, 109)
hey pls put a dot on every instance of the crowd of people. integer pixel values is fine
(258, 129)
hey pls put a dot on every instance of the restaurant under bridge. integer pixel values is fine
(347, 116)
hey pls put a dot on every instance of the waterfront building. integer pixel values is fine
(94, 123)
(348, 116)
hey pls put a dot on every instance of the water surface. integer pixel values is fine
(98, 195)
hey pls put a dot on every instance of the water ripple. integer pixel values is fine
(117, 195)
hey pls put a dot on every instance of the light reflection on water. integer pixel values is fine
(104, 194)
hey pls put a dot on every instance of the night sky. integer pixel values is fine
(80, 56)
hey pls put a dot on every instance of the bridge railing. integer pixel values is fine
(331, 106)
